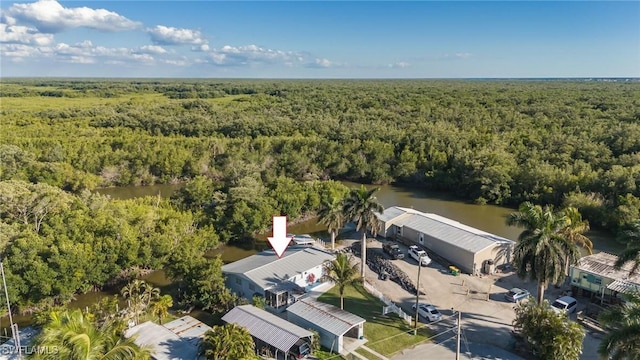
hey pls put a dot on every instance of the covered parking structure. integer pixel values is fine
(268, 330)
(331, 323)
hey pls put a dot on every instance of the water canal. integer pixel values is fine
(489, 218)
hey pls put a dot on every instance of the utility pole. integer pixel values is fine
(458, 345)
(14, 327)
(415, 326)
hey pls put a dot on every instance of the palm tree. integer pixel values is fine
(574, 231)
(576, 228)
(632, 253)
(332, 215)
(139, 293)
(361, 206)
(543, 250)
(160, 307)
(227, 342)
(342, 273)
(76, 337)
(149, 293)
(623, 337)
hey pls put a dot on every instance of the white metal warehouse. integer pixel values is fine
(470, 249)
(332, 324)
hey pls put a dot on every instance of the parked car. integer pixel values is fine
(299, 350)
(303, 239)
(418, 254)
(565, 303)
(393, 250)
(517, 294)
(428, 311)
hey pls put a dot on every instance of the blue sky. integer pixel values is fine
(320, 39)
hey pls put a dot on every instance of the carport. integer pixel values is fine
(267, 329)
(332, 323)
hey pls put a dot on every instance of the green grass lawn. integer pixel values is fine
(387, 334)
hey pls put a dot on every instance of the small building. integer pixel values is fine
(595, 276)
(281, 281)
(268, 330)
(175, 340)
(332, 324)
(470, 249)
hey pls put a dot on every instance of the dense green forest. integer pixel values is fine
(249, 149)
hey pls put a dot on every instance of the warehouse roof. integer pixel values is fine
(445, 229)
(267, 327)
(328, 317)
(266, 269)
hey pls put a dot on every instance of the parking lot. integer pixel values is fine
(486, 316)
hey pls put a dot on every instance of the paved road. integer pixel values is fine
(486, 317)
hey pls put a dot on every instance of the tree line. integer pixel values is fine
(502, 142)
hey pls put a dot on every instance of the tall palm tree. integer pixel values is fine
(332, 215)
(576, 228)
(342, 273)
(361, 206)
(623, 337)
(632, 253)
(227, 342)
(574, 231)
(543, 250)
(75, 336)
(160, 307)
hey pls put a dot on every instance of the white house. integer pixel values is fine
(279, 280)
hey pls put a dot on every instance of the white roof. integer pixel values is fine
(267, 327)
(602, 264)
(177, 339)
(328, 317)
(165, 344)
(266, 270)
(444, 229)
(8, 350)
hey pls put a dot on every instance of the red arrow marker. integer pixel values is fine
(279, 241)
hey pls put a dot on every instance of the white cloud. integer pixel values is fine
(399, 65)
(18, 52)
(153, 49)
(325, 63)
(50, 17)
(23, 35)
(166, 35)
(253, 54)
(464, 55)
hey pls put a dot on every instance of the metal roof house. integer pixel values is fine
(596, 275)
(279, 280)
(268, 329)
(332, 323)
(175, 340)
(470, 249)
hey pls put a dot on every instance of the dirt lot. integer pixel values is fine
(486, 315)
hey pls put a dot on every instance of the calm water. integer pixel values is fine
(485, 217)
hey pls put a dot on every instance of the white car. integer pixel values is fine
(418, 254)
(303, 239)
(565, 303)
(428, 311)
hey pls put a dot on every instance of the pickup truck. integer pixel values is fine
(393, 250)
